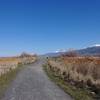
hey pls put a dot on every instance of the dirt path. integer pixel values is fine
(32, 84)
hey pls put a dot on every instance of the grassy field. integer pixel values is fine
(6, 64)
(9, 67)
(79, 76)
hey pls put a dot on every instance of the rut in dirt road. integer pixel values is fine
(32, 83)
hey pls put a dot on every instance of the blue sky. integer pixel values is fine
(48, 25)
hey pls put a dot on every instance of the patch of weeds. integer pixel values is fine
(7, 78)
(76, 93)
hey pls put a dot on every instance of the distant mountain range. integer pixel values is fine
(54, 54)
(91, 51)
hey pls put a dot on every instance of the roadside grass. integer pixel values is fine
(7, 78)
(10, 66)
(75, 93)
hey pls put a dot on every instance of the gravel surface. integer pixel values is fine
(32, 83)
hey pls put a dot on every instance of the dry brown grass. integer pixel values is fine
(83, 68)
(82, 72)
(6, 64)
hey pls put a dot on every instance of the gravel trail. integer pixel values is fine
(32, 83)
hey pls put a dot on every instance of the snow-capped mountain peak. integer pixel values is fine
(60, 50)
(97, 45)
